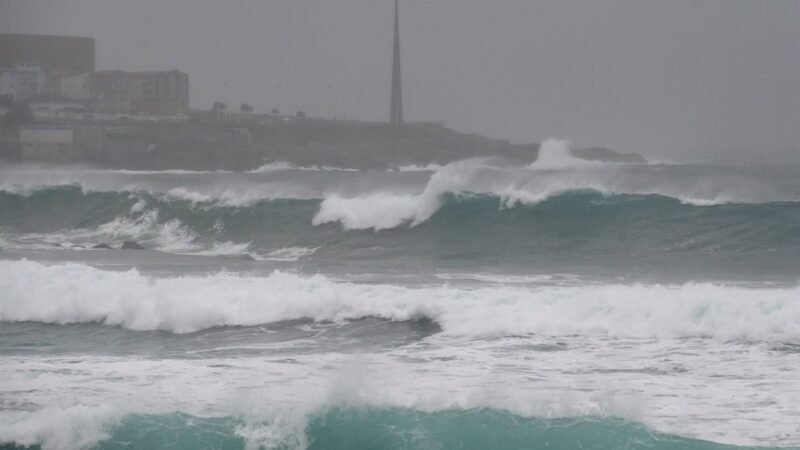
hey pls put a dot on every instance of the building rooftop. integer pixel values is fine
(68, 54)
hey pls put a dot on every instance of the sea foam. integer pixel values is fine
(73, 293)
(554, 154)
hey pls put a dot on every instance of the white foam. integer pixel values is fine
(275, 399)
(554, 154)
(361, 200)
(385, 210)
(504, 279)
(187, 304)
(379, 211)
(194, 197)
(158, 172)
(432, 167)
(199, 188)
(52, 428)
(170, 236)
(238, 195)
(276, 166)
(143, 226)
(139, 206)
(288, 254)
(274, 414)
(273, 167)
(226, 248)
(668, 356)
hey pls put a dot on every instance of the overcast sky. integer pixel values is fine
(668, 78)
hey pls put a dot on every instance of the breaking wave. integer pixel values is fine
(555, 154)
(384, 210)
(556, 172)
(283, 165)
(635, 219)
(365, 428)
(188, 304)
(563, 232)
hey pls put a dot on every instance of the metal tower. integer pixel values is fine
(396, 112)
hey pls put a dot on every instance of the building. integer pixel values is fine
(54, 57)
(8, 85)
(154, 93)
(162, 93)
(48, 107)
(64, 67)
(110, 92)
(21, 81)
(54, 54)
(76, 87)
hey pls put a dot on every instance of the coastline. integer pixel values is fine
(232, 146)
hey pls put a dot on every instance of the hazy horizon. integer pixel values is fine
(179, 279)
(686, 80)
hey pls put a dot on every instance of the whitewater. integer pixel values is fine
(479, 304)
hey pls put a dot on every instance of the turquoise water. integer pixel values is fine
(579, 231)
(396, 429)
(481, 305)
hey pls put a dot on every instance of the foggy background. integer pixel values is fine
(670, 79)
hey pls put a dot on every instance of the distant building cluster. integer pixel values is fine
(57, 76)
(117, 92)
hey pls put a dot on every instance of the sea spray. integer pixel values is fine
(386, 210)
(555, 154)
(390, 429)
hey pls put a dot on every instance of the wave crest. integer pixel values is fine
(189, 304)
(385, 428)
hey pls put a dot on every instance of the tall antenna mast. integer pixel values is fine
(396, 112)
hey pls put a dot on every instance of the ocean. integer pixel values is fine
(481, 304)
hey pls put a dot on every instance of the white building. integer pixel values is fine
(78, 87)
(58, 108)
(8, 84)
(21, 82)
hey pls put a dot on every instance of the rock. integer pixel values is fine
(131, 245)
(102, 246)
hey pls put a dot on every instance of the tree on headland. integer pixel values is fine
(275, 112)
(246, 108)
(301, 114)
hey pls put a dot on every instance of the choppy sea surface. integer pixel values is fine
(562, 305)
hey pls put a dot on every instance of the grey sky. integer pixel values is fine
(671, 78)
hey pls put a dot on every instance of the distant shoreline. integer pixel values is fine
(216, 145)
